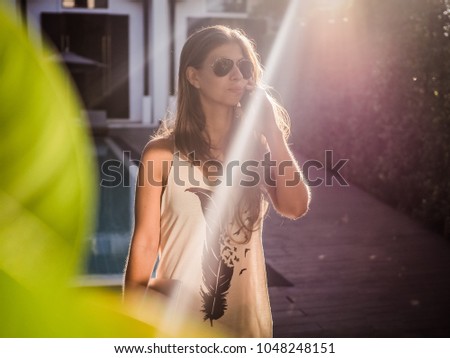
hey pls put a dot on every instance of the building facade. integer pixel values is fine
(123, 54)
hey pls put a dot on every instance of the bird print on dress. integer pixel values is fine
(219, 257)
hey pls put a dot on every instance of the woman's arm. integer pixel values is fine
(146, 236)
(286, 187)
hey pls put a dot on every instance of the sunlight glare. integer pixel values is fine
(238, 149)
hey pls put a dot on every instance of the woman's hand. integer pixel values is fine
(265, 122)
(290, 196)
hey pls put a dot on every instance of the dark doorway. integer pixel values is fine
(96, 50)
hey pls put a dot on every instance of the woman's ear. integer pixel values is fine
(192, 77)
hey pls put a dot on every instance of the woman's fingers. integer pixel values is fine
(238, 111)
(250, 85)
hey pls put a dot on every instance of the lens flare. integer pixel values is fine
(224, 192)
(240, 143)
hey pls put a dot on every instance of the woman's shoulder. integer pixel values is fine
(159, 149)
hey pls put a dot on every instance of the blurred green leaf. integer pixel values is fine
(48, 198)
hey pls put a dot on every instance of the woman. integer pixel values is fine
(211, 242)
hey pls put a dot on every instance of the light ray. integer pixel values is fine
(239, 147)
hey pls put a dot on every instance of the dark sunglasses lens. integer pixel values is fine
(246, 68)
(222, 66)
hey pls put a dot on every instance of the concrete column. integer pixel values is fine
(159, 59)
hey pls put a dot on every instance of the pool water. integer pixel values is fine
(108, 248)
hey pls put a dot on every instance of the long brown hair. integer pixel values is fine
(188, 127)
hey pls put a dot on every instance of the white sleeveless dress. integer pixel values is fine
(223, 280)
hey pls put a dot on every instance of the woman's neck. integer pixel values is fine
(218, 122)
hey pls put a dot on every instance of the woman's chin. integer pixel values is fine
(230, 103)
(233, 103)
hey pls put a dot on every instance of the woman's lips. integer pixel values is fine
(237, 90)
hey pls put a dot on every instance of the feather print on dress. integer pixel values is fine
(217, 273)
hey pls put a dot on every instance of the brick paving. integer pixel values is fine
(359, 267)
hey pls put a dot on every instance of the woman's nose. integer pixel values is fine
(236, 73)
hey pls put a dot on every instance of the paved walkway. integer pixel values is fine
(359, 267)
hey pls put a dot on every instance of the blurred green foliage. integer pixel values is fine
(48, 198)
(372, 83)
(47, 202)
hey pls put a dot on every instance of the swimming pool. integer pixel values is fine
(107, 249)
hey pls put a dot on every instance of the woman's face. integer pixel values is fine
(215, 90)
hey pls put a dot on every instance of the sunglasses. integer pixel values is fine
(222, 67)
